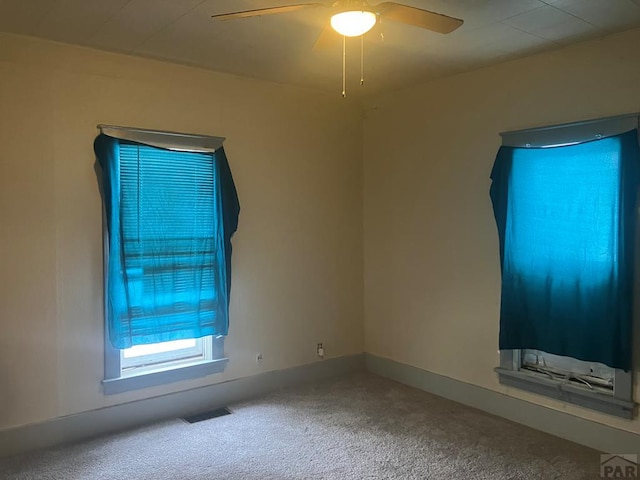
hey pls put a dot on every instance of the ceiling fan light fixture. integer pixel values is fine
(353, 23)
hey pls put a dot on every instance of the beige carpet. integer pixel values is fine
(360, 427)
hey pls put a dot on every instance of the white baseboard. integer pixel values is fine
(579, 430)
(81, 426)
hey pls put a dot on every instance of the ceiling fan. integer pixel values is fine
(354, 18)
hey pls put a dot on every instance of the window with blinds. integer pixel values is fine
(170, 210)
(171, 237)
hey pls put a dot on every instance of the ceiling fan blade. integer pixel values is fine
(435, 22)
(265, 11)
(327, 39)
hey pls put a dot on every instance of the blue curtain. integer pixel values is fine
(566, 223)
(170, 217)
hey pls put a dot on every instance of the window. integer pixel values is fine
(598, 377)
(566, 215)
(170, 208)
(148, 358)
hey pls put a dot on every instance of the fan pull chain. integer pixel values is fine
(344, 66)
(361, 59)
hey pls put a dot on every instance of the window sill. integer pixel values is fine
(128, 383)
(574, 394)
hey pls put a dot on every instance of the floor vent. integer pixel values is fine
(220, 412)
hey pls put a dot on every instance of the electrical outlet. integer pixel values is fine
(259, 359)
(320, 350)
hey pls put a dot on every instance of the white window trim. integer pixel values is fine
(115, 382)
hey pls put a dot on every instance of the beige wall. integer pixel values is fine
(432, 280)
(432, 275)
(297, 266)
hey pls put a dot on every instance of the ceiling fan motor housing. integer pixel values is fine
(352, 6)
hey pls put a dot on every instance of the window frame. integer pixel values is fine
(114, 382)
(201, 348)
(620, 402)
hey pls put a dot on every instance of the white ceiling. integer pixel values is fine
(279, 47)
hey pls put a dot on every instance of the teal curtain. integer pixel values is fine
(170, 216)
(566, 223)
